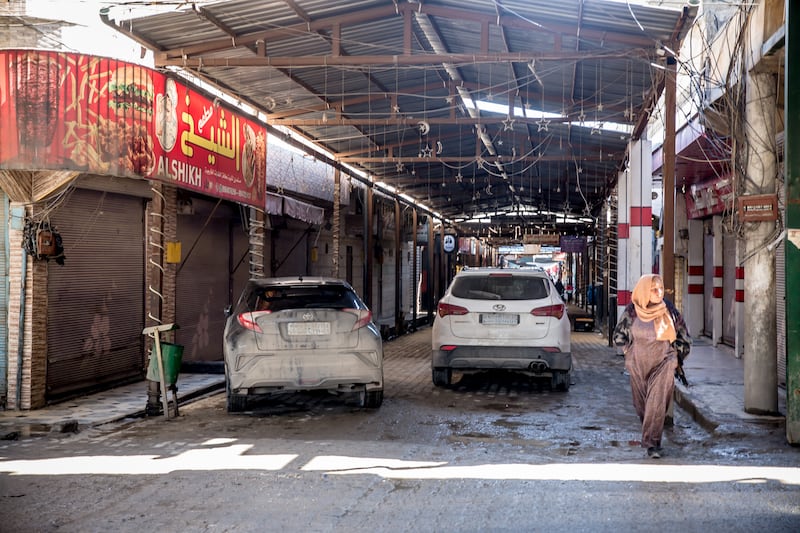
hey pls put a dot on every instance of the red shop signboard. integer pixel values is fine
(63, 111)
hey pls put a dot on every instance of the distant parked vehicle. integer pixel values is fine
(503, 319)
(301, 334)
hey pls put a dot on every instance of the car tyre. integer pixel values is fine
(442, 376)
(372, 399)
(561, 380)
(236, 403)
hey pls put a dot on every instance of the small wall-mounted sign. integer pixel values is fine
(758, 207)
(173, 252)
(449, 243)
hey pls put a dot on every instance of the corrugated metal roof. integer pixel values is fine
(405, 118)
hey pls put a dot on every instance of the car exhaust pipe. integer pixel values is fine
(538, 367)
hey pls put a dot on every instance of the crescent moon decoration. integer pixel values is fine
(269, 103)
(439, 147)
(424, 127)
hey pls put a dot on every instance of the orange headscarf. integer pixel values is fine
(656, 313)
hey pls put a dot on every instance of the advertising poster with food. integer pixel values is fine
(62, 111)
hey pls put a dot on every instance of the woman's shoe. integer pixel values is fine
(654, 452)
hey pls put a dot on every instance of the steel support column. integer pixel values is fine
(668, 253)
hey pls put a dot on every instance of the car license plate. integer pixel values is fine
(499, 319)
(309, 328)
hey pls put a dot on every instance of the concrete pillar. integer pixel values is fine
(760, 344)
(694, 312)
(635, 231)
(716, 293)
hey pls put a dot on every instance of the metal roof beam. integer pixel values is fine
(397, 60)
(387, 160)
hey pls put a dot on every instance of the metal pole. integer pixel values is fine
(162, 378)
(668, 253)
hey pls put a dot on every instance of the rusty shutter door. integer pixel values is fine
(95, 312)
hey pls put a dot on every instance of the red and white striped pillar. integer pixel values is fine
(693, 312)
(623, 236)
(716, 293)
(739, 306)
(635, 229)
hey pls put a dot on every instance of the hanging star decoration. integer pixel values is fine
(598, 129)
(459, 177)
(426, 152)
(489, 97)
(280, 188)
(508, 124)
(400, 167)
(582, 118)
(480, 162)
(448, 99)
(600, 107)
(396, 108)
(543, 124)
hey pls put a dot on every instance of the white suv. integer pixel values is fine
(505, 319)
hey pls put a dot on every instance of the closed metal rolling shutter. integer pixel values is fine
(780, 285)
(4, 292)
(95, 312)
(204, 279)
(728, 288)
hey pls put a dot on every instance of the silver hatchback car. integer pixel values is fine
(505, 319)
(300, 334)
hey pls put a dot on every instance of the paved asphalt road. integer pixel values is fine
(493, 453)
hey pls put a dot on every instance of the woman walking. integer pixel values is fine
(655, 341)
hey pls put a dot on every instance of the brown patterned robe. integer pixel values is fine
(651, 364)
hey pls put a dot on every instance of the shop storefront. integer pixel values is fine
(88, 146)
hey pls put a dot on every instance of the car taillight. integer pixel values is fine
(556, 311)
(363, 317)
(248, 320)
(445, 309)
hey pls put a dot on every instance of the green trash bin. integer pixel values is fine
(171, 355)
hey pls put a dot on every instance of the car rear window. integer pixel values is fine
(302, 297)
(500, 287)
